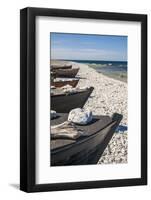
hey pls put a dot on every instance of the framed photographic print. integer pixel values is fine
(83, 99)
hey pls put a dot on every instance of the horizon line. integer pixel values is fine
(90, 60)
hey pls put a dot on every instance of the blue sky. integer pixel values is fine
(88, 47)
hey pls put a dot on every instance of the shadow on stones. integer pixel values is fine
(121, 128)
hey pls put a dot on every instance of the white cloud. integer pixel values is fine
(86, 54)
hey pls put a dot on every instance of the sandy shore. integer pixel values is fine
(109, 96)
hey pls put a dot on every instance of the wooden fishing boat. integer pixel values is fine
(69, 73)
(62, 82)
(63, 102)
(85, 149)
(55, 67)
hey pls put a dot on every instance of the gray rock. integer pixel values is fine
(80, 116)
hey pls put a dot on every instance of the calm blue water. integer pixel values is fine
(114, 69)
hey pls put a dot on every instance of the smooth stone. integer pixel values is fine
(80, 116)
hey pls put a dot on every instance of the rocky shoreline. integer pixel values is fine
(109, 96)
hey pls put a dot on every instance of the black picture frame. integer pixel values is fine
(28, 99)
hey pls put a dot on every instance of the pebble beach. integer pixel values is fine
(109, 96)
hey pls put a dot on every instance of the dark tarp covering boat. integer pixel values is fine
(86, 149)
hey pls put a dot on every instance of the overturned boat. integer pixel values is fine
(87, 148)
(63, 102)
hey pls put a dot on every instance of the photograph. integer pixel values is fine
(83, 84)
(88, 99)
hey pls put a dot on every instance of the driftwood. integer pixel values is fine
(66, 130)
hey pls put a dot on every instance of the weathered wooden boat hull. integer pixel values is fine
(65, 103)
(69, 73)
(55, 67)
(86, 150)
(58, 84)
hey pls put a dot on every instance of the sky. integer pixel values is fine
(68, 46)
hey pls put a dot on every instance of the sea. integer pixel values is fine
(113, 69)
